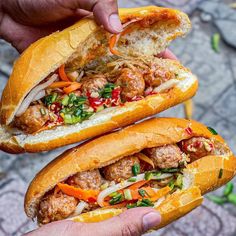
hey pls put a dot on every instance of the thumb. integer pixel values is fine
(130, 223)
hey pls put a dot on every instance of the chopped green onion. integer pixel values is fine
(157, 174)
(43, 111)
(113, 194)
(212, 130)
(65, 100)
(72, 98)
(54, 97)
(216, 199)
(132, 179)
(142, 192)
(179, 181)
(220, 174)
(79, 101)
(116, 199)
(215, 42)
(171, 184)
(232, 198)
(136, 169)
(47, 100)
(170, 170)
(131, 205)
(77, 112)
(228, 189)
(148, 175)
(147, 201)
(127, 194)
(107, 91)
(144, 203)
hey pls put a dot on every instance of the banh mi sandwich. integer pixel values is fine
(165, 163)
(82, 81)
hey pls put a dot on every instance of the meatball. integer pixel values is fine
(121, 169)
(93, 83)
(32, 119)
(132, 84)
(86, 180)
(56, 207)
(168, 156)
(157, 75)
(197, 147)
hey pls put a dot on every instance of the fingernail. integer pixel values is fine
(151, 220)
(115, 23)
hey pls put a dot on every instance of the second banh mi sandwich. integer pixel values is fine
(165, 163)
(83, 81)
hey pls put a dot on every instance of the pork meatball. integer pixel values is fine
(168, 156)
(157, 75)
(120, 170)
(93, 83)
(197, 147)
(55, 207)
(132, 84)
(86, 180)
(32, 119)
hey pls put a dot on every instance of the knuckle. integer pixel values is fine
(128, 228)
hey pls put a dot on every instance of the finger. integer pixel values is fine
(131, 222)
(106, 14)
(168, 54)
(59, 228)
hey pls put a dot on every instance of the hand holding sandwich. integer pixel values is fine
(23, 22)
(143, 219)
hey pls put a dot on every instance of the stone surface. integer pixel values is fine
(224, 18)
(215, 105)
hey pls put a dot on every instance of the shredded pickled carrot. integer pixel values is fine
(74, 86)
(62, 73)
(112, 43)
(89, 195)
(60, 84)
(161, 193)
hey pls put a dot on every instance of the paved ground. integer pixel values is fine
(215, 105)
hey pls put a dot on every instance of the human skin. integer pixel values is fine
(133, 222)
(24, 21)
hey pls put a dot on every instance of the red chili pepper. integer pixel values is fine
(115, 94)
(197, 144)
(189, 131)
(60, 119)
(56, 107)
(211, 145)
(95, 102)
(91, 200)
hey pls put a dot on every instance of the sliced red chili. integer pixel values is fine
(189, 131)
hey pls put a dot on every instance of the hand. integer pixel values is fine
(24, 21)
(130, 223)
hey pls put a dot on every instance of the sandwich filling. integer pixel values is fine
(71, 96)
(145, 178)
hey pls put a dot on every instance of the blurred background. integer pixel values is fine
(215, 105)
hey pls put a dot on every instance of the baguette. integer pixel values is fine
(199, 177)
(84, 44)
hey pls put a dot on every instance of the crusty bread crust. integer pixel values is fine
(77, 46)
(110, 148)
(47, 54)
(104, 121)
